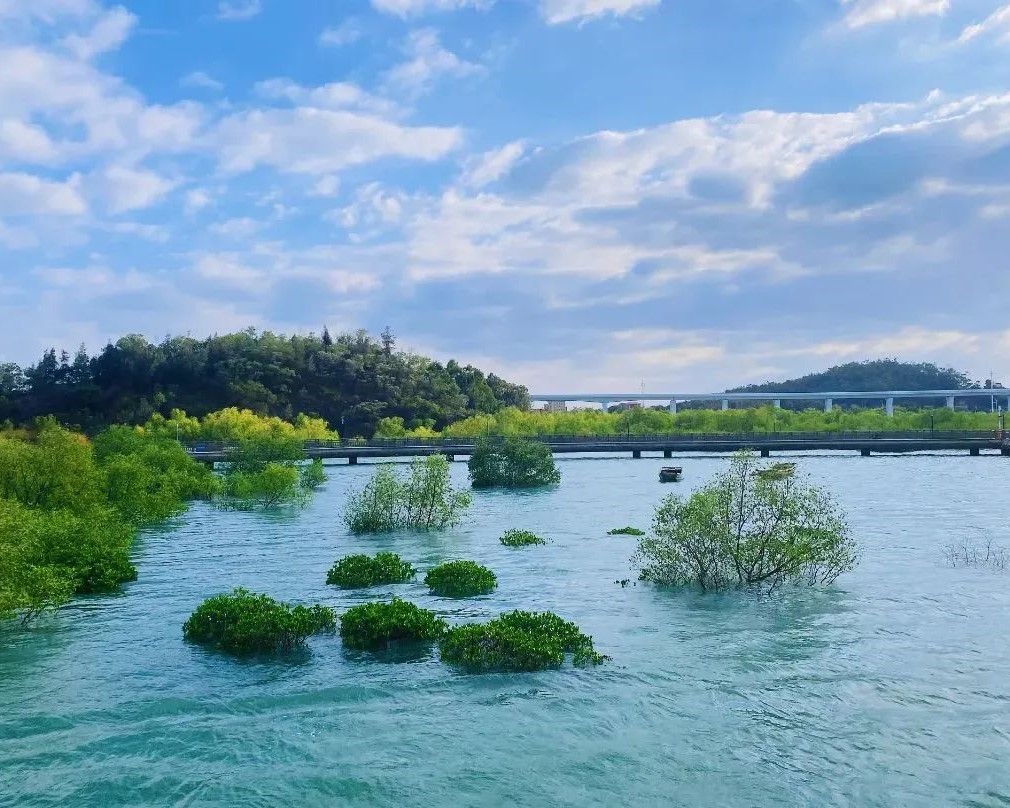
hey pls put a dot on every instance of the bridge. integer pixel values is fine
(866, 443)
(998, 396)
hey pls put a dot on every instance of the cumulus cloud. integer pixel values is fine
(997, 23)
(238, 10)
(413, 8)
(202, 80)
(427, 61)
(347, 33)
(125, 188)
(28, 195)
(562, 11)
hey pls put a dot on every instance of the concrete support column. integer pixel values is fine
(766, 453)
(889, 406)
(352, 460)
(777, 403)
(1005, 452)
(637, 454)
(950, 402)
(973, 451)
(673, 407)
(865, 452)
(668, 453)
(1007, 407)
(829, 405)
(725, 404)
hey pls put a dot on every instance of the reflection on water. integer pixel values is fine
(891, 688)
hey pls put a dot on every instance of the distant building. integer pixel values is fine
(555, 406)
(627, 405)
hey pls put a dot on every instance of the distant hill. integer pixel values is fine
(878, 374)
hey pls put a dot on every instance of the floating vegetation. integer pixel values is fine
(518, 641)
(372, 626)
(244, 622)
(984, 554)
(625, 531)
(521, 538)
(460, 579)
(359, 571)
(776, 471)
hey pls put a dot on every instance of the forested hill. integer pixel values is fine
(352, 381)
(879, 374)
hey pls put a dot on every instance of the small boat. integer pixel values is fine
(670, 474)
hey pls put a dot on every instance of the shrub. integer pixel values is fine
(521, 538)
(424, 500)
(263, 472)
(373, 625)
(313, 475)
(244, 622)
(512, 463)
(517, 641)
(747, 528)
(985, 553)
(359, 571)
(460, 579)
(625, 531)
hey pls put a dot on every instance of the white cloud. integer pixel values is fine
(196, 200)
(124, 188)
(413, 8)
(25, 142)
(997, 22)
(309, 140)
(336, 95)
(110, 31)
(202, 80)
(427, 61)
(488, 167)
(228, 268)
(238, 10)
(238, 228)
(27, 195)
(346, 33)
(862, 13)
(327, 185)
(46, 11)
(561, 11)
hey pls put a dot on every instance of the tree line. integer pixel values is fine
(351, 381)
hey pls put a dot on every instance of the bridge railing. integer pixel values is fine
(625, 439)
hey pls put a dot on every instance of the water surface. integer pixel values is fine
(891, 688)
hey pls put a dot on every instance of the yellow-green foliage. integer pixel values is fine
(511, 421)
(233, 424)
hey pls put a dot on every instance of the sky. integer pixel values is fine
(576, 194)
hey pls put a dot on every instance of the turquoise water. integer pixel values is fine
(891, 688)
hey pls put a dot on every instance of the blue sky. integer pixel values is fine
(573, 193)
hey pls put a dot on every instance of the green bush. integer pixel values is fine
(460, 579)
(424, 500)
(373, 625)
(244, 622)
(521, 538)
(625, 531)
(263, 473)
(747, 528)
(313, 475)
(517, 641)
(512, 463)
(359, 571)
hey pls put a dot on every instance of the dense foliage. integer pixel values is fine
(69, 510)
(626, 531)
(423, 500)
(359, 571)
(352, 380)
(373, 625)
(266, 473)
(244, 622)
(512, 463)
(460, 579)
(521, 538)
(747, 529)
(517, 641)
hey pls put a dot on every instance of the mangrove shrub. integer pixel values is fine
(244, 622)
(423, 500)
(517, 641)
(521, 538)
(626, 531)
(747, 528)
(374, 625)
(359, 571)
(265, 472)
(460, 579)
(512, 463)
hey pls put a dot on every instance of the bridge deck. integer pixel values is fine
(885, 442)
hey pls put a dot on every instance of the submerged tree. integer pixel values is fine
(747, 528)
(512, 463)
(424, 500)
(265, 472)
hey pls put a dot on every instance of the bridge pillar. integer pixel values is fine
(352, 460)
(766, 453)
(725, 404)
(973, 451)
(668, 453)
(889, 406)
(605, 406)
(450, 457)
(950, 402)
(1005, 452)
(673, 407)
(777, 403)
(864, 452)
(637, 454)
(829, 405)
